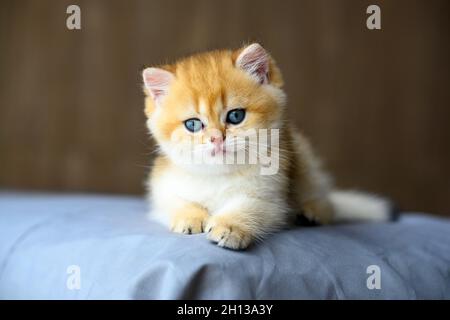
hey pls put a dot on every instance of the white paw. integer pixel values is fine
(227, 235)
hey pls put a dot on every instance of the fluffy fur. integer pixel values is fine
(234, 203)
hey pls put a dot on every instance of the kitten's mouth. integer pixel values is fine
(218, 150)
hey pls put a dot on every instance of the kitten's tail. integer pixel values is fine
(352, 206)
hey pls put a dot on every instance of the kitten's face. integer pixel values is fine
(206, 104)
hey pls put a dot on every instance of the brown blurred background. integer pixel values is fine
(374, 103)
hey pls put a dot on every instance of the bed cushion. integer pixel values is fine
(117, 253)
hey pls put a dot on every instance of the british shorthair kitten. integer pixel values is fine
(206, 111)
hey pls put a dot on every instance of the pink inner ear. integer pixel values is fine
(157, 82)
(255, 61)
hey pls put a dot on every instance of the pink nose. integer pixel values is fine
(218, 140)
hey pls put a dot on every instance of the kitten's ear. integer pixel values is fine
(255, 60)
(157, 82)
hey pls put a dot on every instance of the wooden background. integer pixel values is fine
(374, 103)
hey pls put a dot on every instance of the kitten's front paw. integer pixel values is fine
(189, 221)
(227, 234)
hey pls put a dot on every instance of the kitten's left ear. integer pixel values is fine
(255, 60)
(157, 82)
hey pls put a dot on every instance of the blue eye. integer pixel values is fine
(235, 116)
(193, 125)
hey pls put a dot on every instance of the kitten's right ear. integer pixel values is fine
(157, 82)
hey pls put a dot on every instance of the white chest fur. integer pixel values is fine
(213, 190)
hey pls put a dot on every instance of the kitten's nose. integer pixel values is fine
(217, 139)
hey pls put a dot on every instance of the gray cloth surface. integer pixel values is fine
(121, 255)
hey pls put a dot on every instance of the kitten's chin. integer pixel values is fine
(207, 163)
(212, 166)
(213, 169)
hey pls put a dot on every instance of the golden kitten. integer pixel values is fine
(219, 104)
